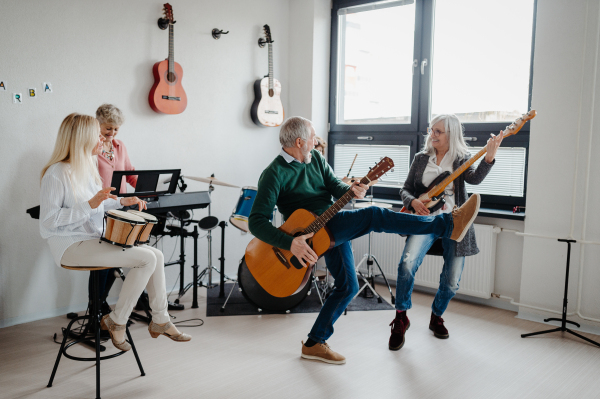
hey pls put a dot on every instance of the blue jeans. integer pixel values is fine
(348, 225)
(414, 251)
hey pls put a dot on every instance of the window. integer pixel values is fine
(397, 63)
(367, 156)
(375, 84)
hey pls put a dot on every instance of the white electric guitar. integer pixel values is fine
(267, 110)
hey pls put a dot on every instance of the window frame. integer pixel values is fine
(415, 132)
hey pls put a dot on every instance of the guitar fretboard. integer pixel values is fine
(171, 50)
(270, 66)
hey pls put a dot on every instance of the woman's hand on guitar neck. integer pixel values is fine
(419, 206)
(302, 250)
(492, 146)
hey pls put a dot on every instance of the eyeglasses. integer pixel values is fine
(434, 133)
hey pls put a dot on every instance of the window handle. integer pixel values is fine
(470, 138)
(423, 65)
(415, 63)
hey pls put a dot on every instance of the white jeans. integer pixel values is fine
(147, 266)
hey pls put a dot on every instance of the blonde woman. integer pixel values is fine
(71, 218)
(445, 150)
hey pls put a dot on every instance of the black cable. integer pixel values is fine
(184, 321)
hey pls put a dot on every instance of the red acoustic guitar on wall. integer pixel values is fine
(167, 95)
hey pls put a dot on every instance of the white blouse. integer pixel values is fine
(432, 170)
(65, 219)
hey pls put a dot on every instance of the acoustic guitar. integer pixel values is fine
(167, 95)
(278, 271)
(435, 191)
(267, 110)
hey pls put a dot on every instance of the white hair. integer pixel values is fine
(458, 148)
(293, 128)
(108, 113)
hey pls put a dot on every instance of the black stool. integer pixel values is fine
(93, 318)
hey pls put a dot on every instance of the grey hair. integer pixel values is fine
(293, 128)
(458, 148)
(108, 113)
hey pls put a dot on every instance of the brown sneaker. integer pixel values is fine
(323, 353)
(464, 216)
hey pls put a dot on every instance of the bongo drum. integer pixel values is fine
(151, 220)
(122, 228)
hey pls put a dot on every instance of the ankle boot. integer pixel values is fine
(436, 324)
(399, 326)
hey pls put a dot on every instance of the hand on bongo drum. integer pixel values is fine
(102, 195)
(128, 201)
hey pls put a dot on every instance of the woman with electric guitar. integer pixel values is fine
(436, 184)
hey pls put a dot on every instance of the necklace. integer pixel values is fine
(110, 155)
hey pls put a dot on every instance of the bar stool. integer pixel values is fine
(93, 318)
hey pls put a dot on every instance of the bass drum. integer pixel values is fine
(257, 296)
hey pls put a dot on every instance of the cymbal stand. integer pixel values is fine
(208, 269)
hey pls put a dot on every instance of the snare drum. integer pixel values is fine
(239, 216)
(122, 228)
(151, 220)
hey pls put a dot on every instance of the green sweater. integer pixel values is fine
(292, 186)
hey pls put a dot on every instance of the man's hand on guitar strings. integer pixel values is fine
(419, 206)
(302, 250)
(360, 190)
(492, 146)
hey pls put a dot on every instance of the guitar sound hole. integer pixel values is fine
(171, 77)
(295, 261)
(271, 92)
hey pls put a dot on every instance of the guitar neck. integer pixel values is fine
(171, 50)
(270, 66)
(441, 186)
(322, 220)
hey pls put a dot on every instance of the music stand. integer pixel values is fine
(563, 319)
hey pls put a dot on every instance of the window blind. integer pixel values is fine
(507, 177)
(368, 156)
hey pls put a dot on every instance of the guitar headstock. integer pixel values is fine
(379, 170)
(267, 34)
(168, 11)
(514, 127)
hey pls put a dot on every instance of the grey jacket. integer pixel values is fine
(414, 185)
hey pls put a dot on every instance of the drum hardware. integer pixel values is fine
(209, 223)
(369, 277)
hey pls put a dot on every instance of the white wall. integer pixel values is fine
(96, 52)
(563, 169)
(103, 52)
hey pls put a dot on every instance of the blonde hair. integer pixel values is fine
(108, 113)
(458, 148)
(77, 137)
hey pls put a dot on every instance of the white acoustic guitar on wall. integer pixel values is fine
(267, 110)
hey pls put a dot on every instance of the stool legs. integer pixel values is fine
(60, 352)
(96, 315)
(94, 319)
(137, 358)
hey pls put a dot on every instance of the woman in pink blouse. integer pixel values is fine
(113, 157)
(114, 154)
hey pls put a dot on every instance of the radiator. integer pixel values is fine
(478, 274)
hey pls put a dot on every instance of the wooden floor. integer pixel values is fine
(259, 357)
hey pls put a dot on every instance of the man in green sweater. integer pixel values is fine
(300, 177)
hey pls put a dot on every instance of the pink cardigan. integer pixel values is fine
(120, 162)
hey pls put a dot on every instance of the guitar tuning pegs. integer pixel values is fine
(381, 158)
(391, 170)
